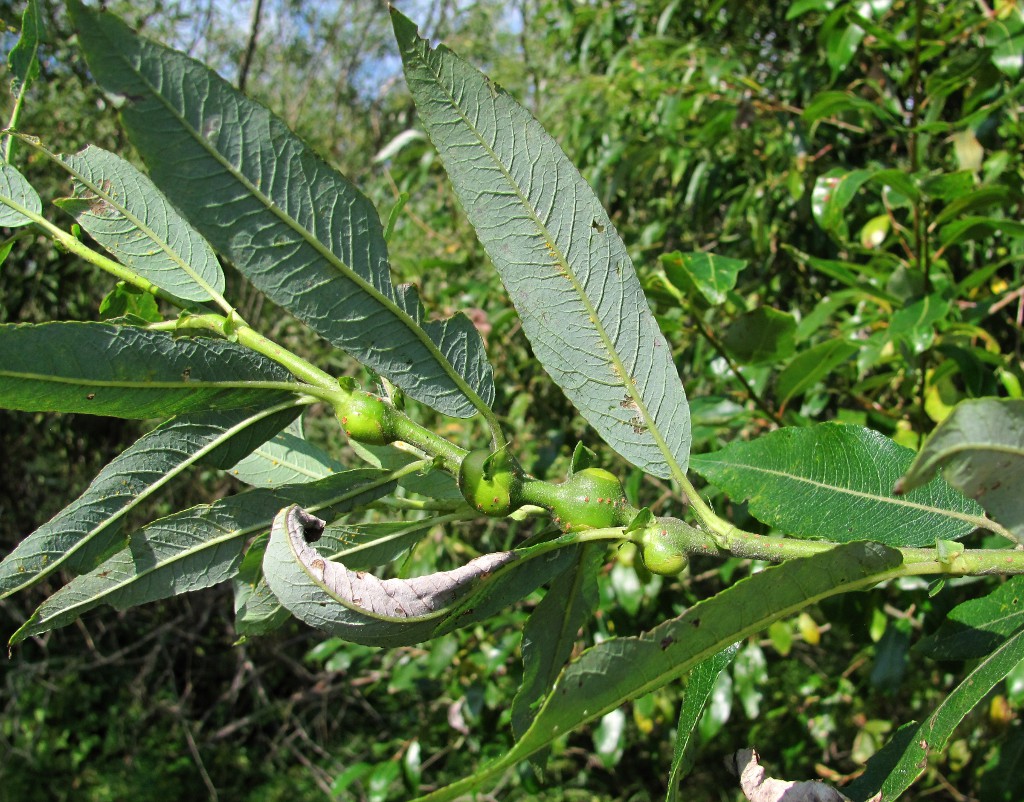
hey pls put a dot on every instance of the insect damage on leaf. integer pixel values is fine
(393, 598)
(757, 787)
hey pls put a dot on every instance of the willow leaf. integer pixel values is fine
(124, 212)
(553, 629)
(980, 450)
(620, 669)
(360, 546)
(287, 458)
(974, 628)
(127, 372)
(834, 481)
(564, 267)
(393, 612)
(23, 59)
(699, 686)
(15, 188)
(896, 766)
(78, 536)
(297, 228)
(195, 548)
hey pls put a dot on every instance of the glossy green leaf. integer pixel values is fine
(898, 180)
(362, 608)
(126, 214)
(553, 630)
(703, 275)
(1006, 38)
(854, 275)
(902, 766)
(834, 481)
(949, 186)
(832, 194)
(303, 234)
(975, 627)
(980, 451)
(800, 7)
(810, 367)
(127, 372)
(761, 336)
(617, 670)
(874, 231)
(127, 300)
(194, 549)
(699, 686)
(842, 45)
(14, 187)
(77, 537)
(916, 323)
(564, 267)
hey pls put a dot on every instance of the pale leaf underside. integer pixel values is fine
(565, 268)
(298, 229)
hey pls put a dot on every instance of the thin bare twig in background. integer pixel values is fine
(250, 45)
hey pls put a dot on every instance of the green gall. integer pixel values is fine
(590, 499)
(368, 419)
(661, 552)
(490, 482)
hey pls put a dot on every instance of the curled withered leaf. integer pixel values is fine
(757, 787)
(356, 604)
(400, 598)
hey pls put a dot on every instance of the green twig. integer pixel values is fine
(916, 561)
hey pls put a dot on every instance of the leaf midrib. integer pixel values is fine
(974, 520)
(211, 543)
(145, 229)
(189, 384)
(150, 489)
(567, 271)
(319, 247)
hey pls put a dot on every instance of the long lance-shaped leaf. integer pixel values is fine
(552, 632)
(980, 451)
(292, 224)
(897, 765)
(394, 612)
(78, 536)
(124, 212)
(195, 548)
(564, 267)
(23, 60)
(23, 64)
(618, 670)
(127, 372)
(835, 481)
(974, 628)
(15, 187)
(699, 687)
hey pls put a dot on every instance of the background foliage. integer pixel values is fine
(766, 134)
